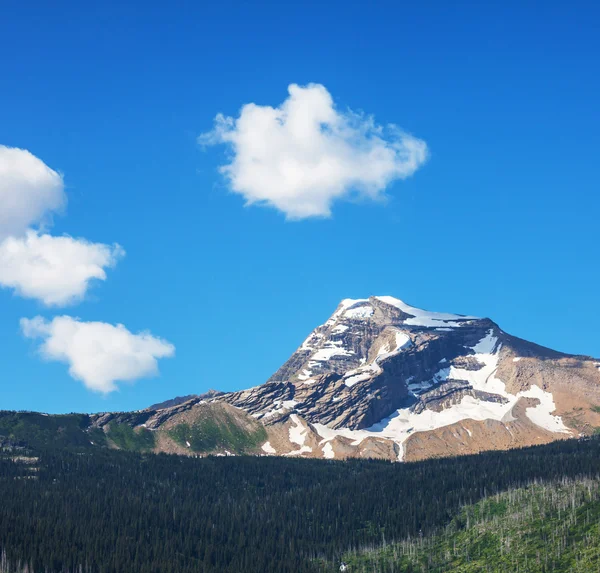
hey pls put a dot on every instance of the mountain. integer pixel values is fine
(379, 379)
(383, 379)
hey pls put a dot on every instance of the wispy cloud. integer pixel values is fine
(98, 354)
(305, 154)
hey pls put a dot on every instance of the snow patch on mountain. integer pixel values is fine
(487, 345)
(313, 338)
(324, 354)
(297, 431)
(541, 414)
(302, 450)
(363, 311)
(280, 406)
(486, 353)
(343, 306)
(297, 434)
(328, 451)
(268, 448)
(306, 374)
(425, 318)
(355, 378)
(402, 341)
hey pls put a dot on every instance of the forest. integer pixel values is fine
(543, 527)
(109, 511)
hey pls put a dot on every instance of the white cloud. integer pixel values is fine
(303, 155)
(55, 270)
(98, 354)
(29, 191)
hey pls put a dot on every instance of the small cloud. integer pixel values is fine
(30, 192)
(55, 270)
(98, 354)
(305, 154)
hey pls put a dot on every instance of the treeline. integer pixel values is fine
(109, 511)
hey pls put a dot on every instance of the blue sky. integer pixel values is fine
(501, 220)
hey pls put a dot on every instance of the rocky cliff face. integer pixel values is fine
(386, 380)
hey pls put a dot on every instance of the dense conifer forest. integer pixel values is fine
(64, 510)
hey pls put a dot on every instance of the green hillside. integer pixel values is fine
(219, 432)
(212, 428)
(540, 528)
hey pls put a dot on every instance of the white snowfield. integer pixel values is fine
(403, 423)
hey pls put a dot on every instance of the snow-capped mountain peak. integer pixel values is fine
(383, 378)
